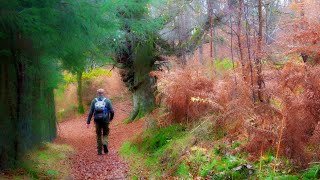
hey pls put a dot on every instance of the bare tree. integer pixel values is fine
(239, 36)
(260, 81)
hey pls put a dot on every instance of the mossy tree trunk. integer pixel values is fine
(143, 92)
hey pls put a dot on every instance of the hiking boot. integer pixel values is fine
(99, 153)
(105, 149)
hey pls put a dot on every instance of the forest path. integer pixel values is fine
(86, 164)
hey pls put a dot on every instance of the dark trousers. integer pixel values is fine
(102, 129)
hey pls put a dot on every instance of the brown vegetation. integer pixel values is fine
(287, 124)
(274, 103)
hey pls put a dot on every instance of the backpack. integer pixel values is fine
(101, 111)
(100, 105)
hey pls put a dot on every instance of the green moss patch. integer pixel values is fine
(49, 161)
(176, 151)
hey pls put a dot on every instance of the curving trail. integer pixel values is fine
(86, 164)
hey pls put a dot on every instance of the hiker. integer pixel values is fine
(103, 113)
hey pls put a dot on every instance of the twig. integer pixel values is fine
(112, 68)
(314, 163)
(261, 152)
(279, 144)
(197, 127)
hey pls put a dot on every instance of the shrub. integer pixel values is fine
(223, 65)
(153, 140)
(154, 150)
(188, 94)
(302, 113)
(86, 76)
(287, 123)
(312, 173)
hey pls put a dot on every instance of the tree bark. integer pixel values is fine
(8, 107)
(260, 81)
(25, 120)
(215, 47)
(211, 28)
(231, 51)
(248, 30)
(143, 92)
(239, 36)
(143, 99)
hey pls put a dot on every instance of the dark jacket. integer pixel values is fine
(108, 105)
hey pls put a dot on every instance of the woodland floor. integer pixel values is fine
(86, 164)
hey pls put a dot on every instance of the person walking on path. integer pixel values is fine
(101, 109)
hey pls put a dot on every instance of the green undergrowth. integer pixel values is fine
(188, 153)
(87, 76)
(223, 64)
(49, 161)
(147, 152)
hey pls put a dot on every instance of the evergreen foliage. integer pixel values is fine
(37, 39)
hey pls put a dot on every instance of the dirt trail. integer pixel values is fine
(86, 164)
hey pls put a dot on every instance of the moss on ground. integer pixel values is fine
(175, 151)
(49, 161)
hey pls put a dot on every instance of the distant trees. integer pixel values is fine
(186, 26)
(246, 25)
(301, 34)
(254, 24)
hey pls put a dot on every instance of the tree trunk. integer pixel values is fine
(22, 125)
(231, 51)
(215, 50)
(79, 92)
(26, 118)
(239, 36)
(8, 110)
(267, 9)
(248, 30)
(143, 92)
(259, 55)
(211, 29)
(143, 99)
(201, 53)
